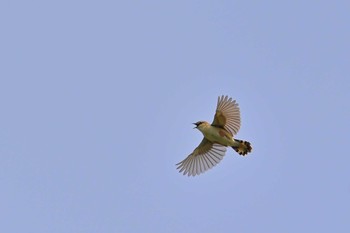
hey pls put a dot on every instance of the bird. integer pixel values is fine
(217, 137)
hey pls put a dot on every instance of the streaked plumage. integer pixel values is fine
(217, 136)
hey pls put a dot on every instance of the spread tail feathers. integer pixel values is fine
(242, 147)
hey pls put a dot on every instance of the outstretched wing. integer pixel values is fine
(204, 157)
(227, 115)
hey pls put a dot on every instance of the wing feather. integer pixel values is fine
(227, 115)
(204, 157)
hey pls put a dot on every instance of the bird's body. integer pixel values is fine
(217, 136)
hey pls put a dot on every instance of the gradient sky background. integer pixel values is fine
(97, 100)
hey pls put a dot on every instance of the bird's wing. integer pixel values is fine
(227, 115)
(204, 157)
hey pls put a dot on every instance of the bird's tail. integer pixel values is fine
(242, 147)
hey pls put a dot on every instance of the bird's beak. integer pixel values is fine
(195, 124)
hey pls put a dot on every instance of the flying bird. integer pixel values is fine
(217, 137)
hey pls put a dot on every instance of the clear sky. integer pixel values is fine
(97, 100)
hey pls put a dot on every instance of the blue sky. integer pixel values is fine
(97, 100)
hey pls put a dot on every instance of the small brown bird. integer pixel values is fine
(217, 136)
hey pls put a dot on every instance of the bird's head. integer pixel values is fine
(200, 124)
